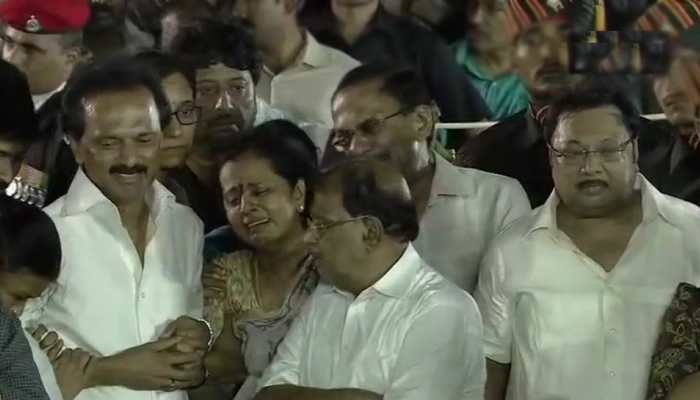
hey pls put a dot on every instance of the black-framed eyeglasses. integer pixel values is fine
(579, 157)
(368, 127)
(188, 113)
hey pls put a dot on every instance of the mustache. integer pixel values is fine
(230, 118)
(123, 169)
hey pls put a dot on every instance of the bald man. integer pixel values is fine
(388, 326)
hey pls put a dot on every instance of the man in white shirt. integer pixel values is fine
(129, 288)
(294, 62)
(388, 113)
(572, 295)
(390, 327)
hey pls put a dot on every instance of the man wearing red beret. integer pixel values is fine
(43, 39)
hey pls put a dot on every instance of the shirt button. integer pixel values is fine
(142, 295)
(612, 331)
(612, 374)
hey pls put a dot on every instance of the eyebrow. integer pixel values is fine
(7, 38)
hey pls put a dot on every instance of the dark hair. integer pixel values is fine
(111, 75)
(403, 84)
(18, 121)
(211, 42)
(167, 64)
(288, 148)
(363, 195)
(593, 93)
(30, 239)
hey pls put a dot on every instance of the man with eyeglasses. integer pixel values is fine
(227, 65)
(572, 295)
(387, 112)
(386, 325)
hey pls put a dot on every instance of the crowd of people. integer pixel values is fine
(258, 200)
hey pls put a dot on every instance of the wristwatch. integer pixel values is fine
(20, 190)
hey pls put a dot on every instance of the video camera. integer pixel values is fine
(620, 52)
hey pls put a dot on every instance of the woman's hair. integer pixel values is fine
(288, 149)
(29, 241)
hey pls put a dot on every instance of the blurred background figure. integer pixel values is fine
(486, 54)
(295, 64)
(367, 32)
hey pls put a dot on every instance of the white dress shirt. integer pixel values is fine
(466, 210)
(304, 90)
(104, 301)
(571, 330)
(412, 335)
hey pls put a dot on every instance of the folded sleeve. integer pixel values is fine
(495, 306)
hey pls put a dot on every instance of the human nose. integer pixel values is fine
(128, 154)
(240, 9)
(591, 163)
(224, 102)
(173, 130)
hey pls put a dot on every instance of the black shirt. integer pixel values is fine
(402, 41)
(207, 204)
(516, 147)
(675, 168)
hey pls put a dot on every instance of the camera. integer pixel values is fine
(620, 52)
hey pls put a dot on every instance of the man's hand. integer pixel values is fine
(49, 342)
(71, 369)
(153, 366)
(194, 335)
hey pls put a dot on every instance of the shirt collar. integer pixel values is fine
(315, 54)
(449, 180)
(40, 99)
(654, 204)
(398, 279)
(83, 195)
(465, 58)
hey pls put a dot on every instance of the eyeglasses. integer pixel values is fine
(188, 113)
(579, 157)
(367, 128)
(320, 228)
